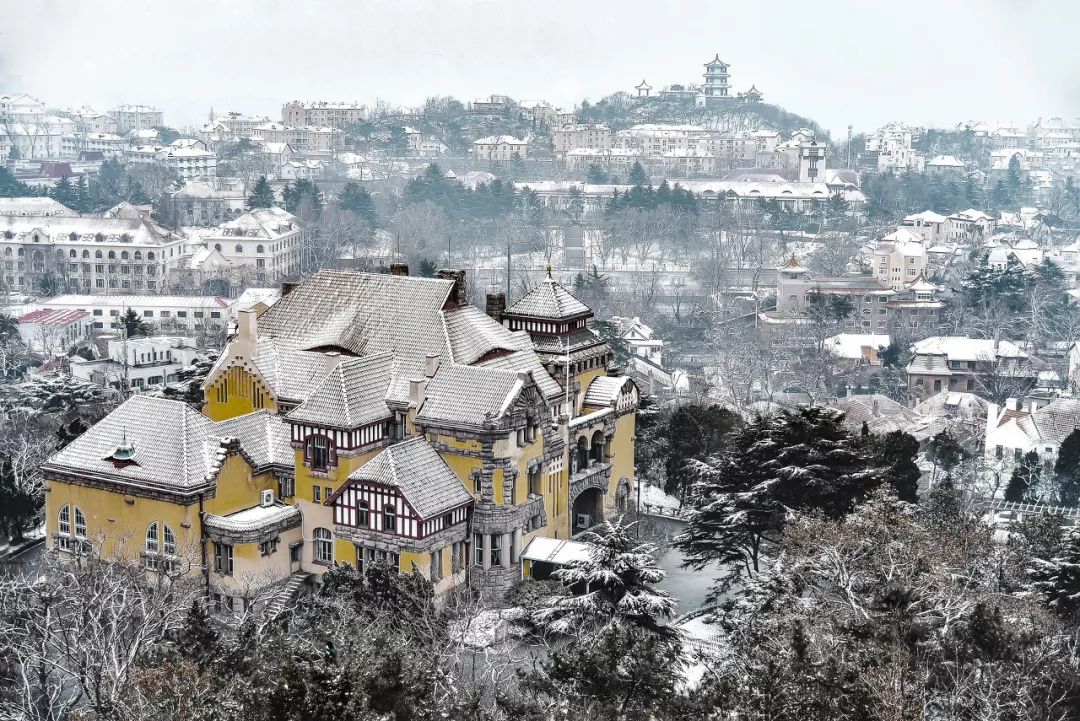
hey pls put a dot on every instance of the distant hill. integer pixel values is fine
(621, 111)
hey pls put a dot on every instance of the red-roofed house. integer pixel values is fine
(53, 331)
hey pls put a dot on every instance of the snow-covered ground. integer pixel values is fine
(655, 496)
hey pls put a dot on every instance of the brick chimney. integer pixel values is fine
(496, 306)
(459, 295)
(399, 269)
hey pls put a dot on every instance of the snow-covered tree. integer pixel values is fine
(1056, 580)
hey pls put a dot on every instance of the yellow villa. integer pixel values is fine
(361, 418)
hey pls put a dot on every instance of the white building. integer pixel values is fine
(52, 332)
(1015, 429)
(163, 313)
(946, 166)
(932, 227)
(136, 117)
(968, 224)
(899, 258)
(21, 108)
(891, 147)
(268, 239)
(189, 163)
(592, 136)
(639, 339)
(85, 253)
(500, 148)
(109, 144)
(138, 363)
(40, 207)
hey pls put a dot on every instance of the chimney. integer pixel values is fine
(417, 389)
(399, 269)
(496, 306)
(431, 365)
(288, 286)
(243, 346)
(330, 360)
(1012, 404)
(874, 407)
(459, 294)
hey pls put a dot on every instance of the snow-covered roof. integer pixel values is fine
(501, 140)
(852, 345)
(553, 550)
(945, 161)
(964, 349)
(927, 216)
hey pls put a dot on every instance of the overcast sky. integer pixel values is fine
(861, 62)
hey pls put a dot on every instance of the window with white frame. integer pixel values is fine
(324, 546)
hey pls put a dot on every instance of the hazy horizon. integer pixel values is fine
(850, 63)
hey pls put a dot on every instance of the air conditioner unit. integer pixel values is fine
(584, 520)
(267, 499)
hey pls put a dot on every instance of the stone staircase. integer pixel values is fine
(286, 594)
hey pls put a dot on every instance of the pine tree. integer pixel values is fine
(262, 195)
(1057, 580)
(1067, 470)
(637, 175)
(356, 199)
(895, 454)
(1025, 480)
(133, 324)
(793, 460)
(64, 193)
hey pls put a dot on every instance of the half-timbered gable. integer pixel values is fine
(407, 494)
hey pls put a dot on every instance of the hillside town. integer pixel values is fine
(664, 404)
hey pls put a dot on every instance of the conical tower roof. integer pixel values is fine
(549, 300)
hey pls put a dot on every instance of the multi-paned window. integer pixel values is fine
(324, 546)
(223, 558)
(389, 519)
(66, 540)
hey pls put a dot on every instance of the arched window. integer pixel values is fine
(112, 255)
(168, 540)
(64, 526)
(123, 255)
(80, 523)
(239, 248)
(259, 248)
(138, 255)
(86, 255)
(320, 453)
(8, 235)
(99, 238)
(389, 519)
(7, 252)
(324, 546)
(73, 236)
(73, 253)
(152, 538)
(217, 247)
(362, 514)
(150, 255)
(97, 254)
(125, 238)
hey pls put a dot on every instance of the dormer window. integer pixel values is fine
(320, 453)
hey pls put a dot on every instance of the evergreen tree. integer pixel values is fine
(64, 193)
(575, 207)
(1057, 580)
(1024, 484)
(596, 175)
(637, 175)
(1067, 470)
(945, 452)
(895, 453)
(356, 199)
(792, 460)
(694, 433)
(133, 324)
(618, 662)
(262, 195)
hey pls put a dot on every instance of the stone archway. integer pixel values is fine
(622, 495)
(588, 510)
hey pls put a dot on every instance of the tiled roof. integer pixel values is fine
(53, 317)
(527, 360)
(579, 339)
(353, 394)
(420, 474)
(264, 437)
(548, 300)
(1053, 422)
(605, 390)
(291, 374)
(929, 365)
(173, 445)
(470, 395)
(472, 334)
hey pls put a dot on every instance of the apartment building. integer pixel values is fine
(184, 314)
(899, 258)
(322, 113)
(137, 363)
(572, 137)
(136, 117)
(500, 148)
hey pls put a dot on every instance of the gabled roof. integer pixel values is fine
(1053, 422)
(174, 444)
(549, 301)
(470, 395)
(420, 475)
(605, 390)
(264, 437)
(351, 395)
(472, 334)
(291, 374)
